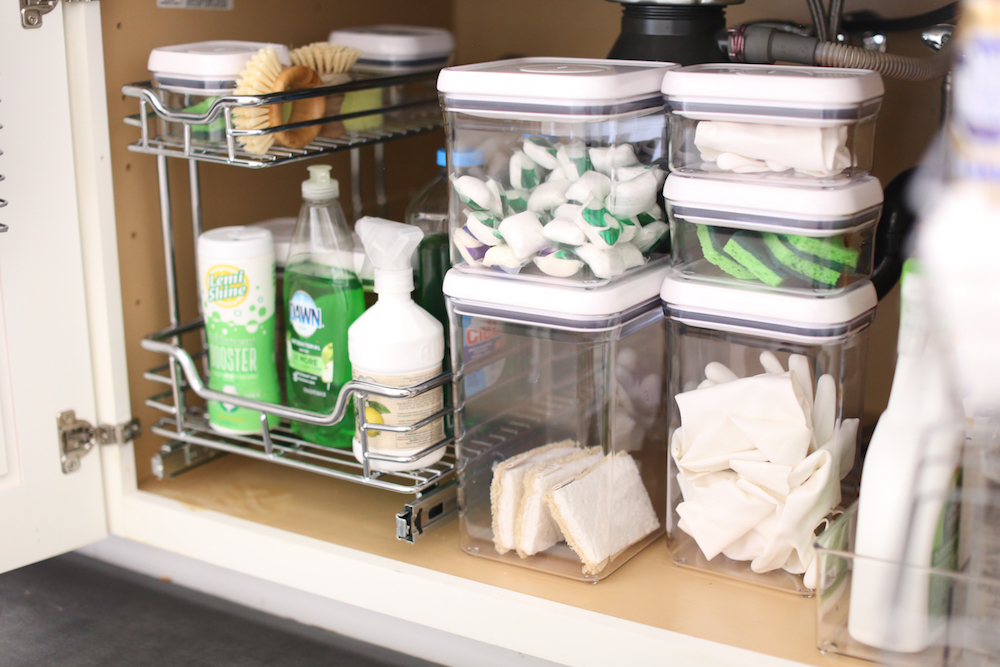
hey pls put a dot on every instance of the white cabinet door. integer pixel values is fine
(45, 355)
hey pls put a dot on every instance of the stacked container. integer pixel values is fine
(559, 406)
(575, 154)
(393, 50)
(557, 333)
(772, 216)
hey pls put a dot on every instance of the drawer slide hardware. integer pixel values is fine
(430, 510)
(77, 437)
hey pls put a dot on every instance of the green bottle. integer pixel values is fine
(323, 297)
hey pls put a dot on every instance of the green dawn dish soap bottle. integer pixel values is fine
(323, 297)
(236, 286)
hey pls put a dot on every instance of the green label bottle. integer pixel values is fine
(323, 297)
(236, 278)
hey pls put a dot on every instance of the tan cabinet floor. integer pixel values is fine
(649, 590)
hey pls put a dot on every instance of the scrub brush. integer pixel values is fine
(257, 78)
(329, 60)
(265, 74)
(332, 61)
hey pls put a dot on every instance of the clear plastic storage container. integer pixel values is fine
(575, 155)
(190, 77)
(807, 125)
(765, 393)
(559, 420)
(391, 50)
(771, 236)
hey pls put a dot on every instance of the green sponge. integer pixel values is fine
(715, 257)
(830, 249)
(817, 273)
(746, 249)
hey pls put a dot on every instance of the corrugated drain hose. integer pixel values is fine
(761, 44)
(889, 65)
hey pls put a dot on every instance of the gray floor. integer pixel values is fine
(73, 611)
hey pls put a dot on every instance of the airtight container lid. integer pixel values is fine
(235, 243)
(281, 231)
(728, 91)
(811, 211)
(559, 86)
(398, 45)
(205, 67)
(556, 306)
(810, 319)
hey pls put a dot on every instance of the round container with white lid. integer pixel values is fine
(759, 382)
(773, 236)
(204, 68)
(796, 123)
(574, 157)
(189, 78)
(396, 47)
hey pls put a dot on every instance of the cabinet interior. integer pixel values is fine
(649, 590)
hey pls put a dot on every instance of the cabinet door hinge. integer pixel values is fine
(77, 437)
(33, 10)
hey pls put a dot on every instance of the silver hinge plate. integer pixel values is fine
(431, 509)
(77, 437)
(33, 10)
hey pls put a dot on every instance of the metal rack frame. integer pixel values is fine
(190, 440)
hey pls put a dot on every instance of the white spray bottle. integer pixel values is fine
(906, 508)
(397, 343)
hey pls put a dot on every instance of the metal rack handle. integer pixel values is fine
(157, 342)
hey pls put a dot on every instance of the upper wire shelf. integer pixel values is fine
(402, 116)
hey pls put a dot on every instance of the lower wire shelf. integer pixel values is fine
(289, 450)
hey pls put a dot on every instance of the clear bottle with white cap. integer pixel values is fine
(323, 296)
(397, 343)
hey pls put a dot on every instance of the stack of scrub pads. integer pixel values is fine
(570, 208)
(594, 502)
(778, 259)
(774, 236)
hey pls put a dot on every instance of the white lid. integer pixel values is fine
(397, 43)
(235, 243)
(770, 314)
(281, 230)
(220, 59)
(757, 205)
(555, 80)
(319, 186)
(779, 85)
(542, 302)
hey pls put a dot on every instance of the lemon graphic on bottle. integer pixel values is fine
(373, 415)
(327, 358)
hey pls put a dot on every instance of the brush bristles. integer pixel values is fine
(257, 78)
(326, 58)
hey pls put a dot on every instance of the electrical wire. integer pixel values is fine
(833, 25)
(819, 19)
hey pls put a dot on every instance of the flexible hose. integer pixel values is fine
(890, 65)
